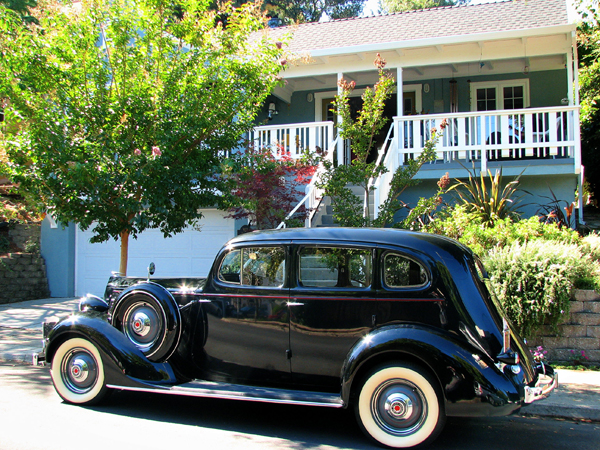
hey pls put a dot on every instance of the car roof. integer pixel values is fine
(385, 236)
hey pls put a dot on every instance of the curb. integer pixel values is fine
(562, 412)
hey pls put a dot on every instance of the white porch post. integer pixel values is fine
(572, 63)
(575, 64)
(341, 145)
(571, 76)
(400, 95)
(399, 107)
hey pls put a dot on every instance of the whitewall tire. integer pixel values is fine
(78, 372)
(398, 406)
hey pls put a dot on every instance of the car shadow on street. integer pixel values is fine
(306, 426)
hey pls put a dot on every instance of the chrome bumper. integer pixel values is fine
(39, 358)
(547, 381)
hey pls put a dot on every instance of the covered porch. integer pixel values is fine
(544, 141)
(509, 95)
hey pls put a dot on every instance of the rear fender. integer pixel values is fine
(124, 363)
(469, 381)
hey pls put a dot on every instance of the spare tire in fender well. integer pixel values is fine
(149, 316)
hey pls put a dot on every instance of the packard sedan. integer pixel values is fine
(401, 326)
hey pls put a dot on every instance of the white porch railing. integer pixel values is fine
(470, 138)
(295, 138)
(535, 133)
(480, 137)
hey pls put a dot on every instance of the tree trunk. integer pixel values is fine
(124, 252)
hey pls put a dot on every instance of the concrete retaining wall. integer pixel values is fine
(580, 332)
(23, 275)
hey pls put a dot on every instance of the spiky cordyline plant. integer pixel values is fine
(489, 205)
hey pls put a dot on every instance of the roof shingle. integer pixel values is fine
(440, 22)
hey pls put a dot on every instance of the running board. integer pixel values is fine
(240, 392)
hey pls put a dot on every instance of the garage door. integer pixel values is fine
(190, 253)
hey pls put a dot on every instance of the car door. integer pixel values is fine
(247, 336)
(331, 308)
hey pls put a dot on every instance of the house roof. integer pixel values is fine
(443, 22)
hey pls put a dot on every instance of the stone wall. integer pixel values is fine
(23, 275)
(20, 234)
(580, 332)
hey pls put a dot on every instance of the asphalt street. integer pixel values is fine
(33, 417)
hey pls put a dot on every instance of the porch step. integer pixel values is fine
(324, 217)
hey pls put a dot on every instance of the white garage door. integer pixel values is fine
(190, 253)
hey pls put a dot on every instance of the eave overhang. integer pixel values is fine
(443, 41)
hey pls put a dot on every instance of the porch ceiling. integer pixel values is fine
(420, 72)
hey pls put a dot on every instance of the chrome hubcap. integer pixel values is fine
(79, 371)
(399, 407)
(142, 325)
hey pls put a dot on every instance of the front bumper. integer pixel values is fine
(545, 383)
(39, 358)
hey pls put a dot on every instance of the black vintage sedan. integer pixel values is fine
(401, 326)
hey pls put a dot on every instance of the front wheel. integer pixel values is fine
(78, 373)
(398, 406)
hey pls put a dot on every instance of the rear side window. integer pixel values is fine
(256, 266)
(400, 271)
(335, 267)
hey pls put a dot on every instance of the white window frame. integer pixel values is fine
(500, 85)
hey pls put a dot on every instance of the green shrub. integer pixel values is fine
(534, 281)
(590, 245)
(32, 246)
(472, 231)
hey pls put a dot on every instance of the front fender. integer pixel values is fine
(470, 383)
(124, 363)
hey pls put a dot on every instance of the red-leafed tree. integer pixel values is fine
(269, 186)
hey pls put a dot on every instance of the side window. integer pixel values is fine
(255, 266)
(335, 267)
(400, 271)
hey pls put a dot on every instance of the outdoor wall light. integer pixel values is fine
(272, 110)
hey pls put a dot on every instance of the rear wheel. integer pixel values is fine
(398, 406)
(78, 373)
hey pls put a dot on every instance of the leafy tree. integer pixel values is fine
(589, 79)
(312, 11)
(361, 131)
(403, 178)
(23, 7)
(589, 10)
(268, 187)
(395, 6)
(128, 108)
